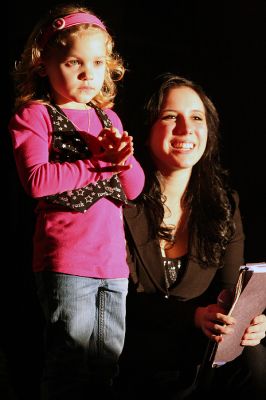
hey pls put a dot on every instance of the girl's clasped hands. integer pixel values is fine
(112, 147)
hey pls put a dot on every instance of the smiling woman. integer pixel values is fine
(185, 245)
(182, 131)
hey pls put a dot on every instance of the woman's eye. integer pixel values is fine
(198, 118)
(164, 117)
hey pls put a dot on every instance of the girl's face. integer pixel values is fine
(76, 72)
(179, 136)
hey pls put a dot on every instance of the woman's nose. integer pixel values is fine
(182, 127)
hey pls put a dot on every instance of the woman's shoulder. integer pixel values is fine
(131, 211)
(233, 196)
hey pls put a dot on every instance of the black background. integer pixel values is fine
(220, 45)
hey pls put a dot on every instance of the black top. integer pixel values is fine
(160, 316)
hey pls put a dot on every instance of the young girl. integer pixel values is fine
(73, 156)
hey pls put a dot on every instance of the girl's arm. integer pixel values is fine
(31, 133)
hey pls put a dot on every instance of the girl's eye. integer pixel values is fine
(72, 62)
(99, 62)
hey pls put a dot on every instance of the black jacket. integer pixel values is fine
(160, 331)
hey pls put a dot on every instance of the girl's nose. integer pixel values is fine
(86, 74)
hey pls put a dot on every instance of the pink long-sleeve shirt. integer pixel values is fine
(90, 244)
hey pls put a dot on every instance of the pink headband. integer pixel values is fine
(66, 22)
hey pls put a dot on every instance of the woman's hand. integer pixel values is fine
(255, 332)
(213, 321)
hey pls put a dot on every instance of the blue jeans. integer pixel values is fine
(84, 334)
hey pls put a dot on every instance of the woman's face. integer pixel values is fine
(179, 136)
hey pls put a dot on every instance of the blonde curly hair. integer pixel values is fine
(31, 86)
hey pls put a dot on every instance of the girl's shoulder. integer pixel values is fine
(31, 113)
(32, 108)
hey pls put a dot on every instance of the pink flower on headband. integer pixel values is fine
(58, 24)
(66, 22)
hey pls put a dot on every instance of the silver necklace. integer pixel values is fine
(171, 269)
(61, 112)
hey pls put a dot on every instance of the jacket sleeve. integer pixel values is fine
(234, 255)
(226, 277)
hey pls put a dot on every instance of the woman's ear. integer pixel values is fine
(42, 70)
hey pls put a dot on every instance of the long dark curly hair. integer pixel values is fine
(208, 198)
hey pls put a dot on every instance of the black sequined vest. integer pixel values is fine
(69, 146)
